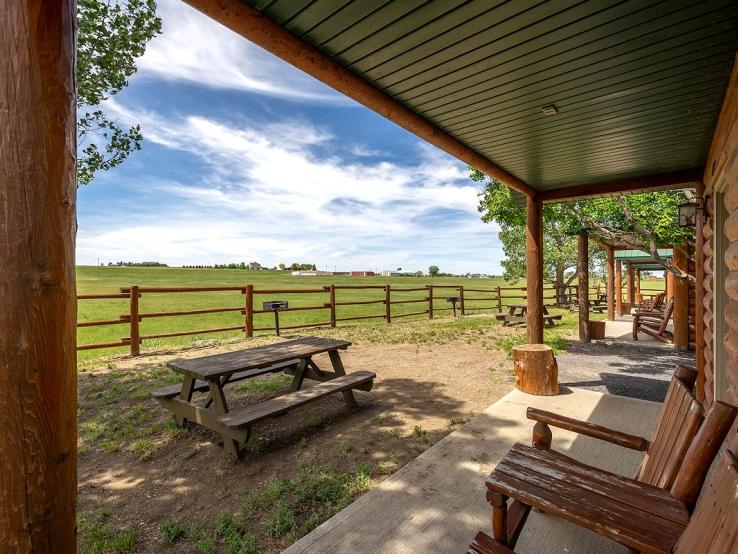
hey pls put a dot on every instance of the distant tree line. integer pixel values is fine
(232, 265)
(136, 264)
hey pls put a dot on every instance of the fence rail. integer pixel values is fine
(481, 299)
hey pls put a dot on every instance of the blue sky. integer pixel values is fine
(246, 158)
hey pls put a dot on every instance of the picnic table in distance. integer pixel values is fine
(294, 357)
(517, 315)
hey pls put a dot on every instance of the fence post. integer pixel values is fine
(332, 293)
(461, 296)
(135, 334)
(387, 304)
(430, 301)
(499, 299)
(249, 311)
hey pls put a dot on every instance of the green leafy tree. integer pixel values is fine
(110, 36)
(282, 266)
(643, 222)
(433, 270)
(496, 203)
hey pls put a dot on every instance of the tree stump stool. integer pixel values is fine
(536, 370)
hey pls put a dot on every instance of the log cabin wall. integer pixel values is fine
(721, 243)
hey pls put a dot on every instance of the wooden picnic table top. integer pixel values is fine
(213, 367)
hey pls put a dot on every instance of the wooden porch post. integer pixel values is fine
(583, 275)
(681, 302)
(619, 287)
(610, 283)
(534, 269)
(38, 416)
(630, 285)
(669, 285)
(638, 297)
(699, 293)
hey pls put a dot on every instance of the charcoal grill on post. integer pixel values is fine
(453, 300)
(275, 306)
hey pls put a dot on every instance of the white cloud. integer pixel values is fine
(270, 197)
(194, 48)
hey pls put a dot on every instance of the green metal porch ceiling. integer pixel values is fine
(639, 256)
(638, 84)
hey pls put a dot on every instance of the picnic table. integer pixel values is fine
(294, 357)
(517, 315)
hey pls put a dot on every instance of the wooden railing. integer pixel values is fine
(470, 300)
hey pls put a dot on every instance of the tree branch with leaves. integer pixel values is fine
(111, 35)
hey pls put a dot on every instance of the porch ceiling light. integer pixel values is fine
(551, 109)
(687, 214)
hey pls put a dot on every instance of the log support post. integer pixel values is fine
(430, 301)
(611, 283)
(699, 293)
(681, 302)
(38, 321)
(536, 370)
(534, 269)
(630, 284)
(387, 304)
(619, 287)
(583, 291)
(669, 286)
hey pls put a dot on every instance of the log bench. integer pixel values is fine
(243, 418)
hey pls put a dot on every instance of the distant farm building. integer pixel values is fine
(254, 265)
(362, 273)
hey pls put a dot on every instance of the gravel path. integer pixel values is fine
(626, 369)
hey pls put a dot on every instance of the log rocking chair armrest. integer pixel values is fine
(542, 435)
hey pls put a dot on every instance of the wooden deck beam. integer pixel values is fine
(259, 29)
(688, 177)
(38, 369)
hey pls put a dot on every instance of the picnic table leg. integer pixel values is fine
(299, 375)
(221, 408)
(348, 396)
(188, 387)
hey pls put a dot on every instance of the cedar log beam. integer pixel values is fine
(699, 292)
(619, 287)
(610, 283)
(583, 289)
(534, 269)
(686, 177)
(262, 31)
(38, 414)
(681, 302)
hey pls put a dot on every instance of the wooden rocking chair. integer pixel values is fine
(653, 304)
(654, 322)
(648, 513)
(711, 529)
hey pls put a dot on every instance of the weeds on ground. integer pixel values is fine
(97, 537)
(172, 531)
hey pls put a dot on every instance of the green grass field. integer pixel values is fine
(101, 280)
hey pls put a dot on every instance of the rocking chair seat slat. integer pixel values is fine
(632, 513)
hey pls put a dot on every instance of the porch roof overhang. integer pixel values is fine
(640, 258)
(636, 86)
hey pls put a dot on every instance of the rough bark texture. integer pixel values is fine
(583, 291)
(536, 370)
(721, 175)
(38, 432)
(534, 270)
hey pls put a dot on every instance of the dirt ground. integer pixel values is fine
(139, 486)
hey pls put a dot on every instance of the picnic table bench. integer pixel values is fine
(517, 316)
(294, 357)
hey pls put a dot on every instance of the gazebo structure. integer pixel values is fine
(556, 100)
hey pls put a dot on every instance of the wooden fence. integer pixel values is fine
(432, 302)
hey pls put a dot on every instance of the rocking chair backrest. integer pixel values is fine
(713, 527)
(658, 300)
(667, 315)
(678, 423)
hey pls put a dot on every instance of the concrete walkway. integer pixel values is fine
(619, 365)
(436, 503)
